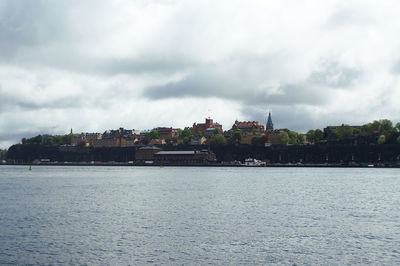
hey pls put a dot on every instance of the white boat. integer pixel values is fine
(253, 162)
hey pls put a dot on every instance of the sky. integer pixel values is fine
(95, 65)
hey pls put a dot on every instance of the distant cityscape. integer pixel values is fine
(207, 143)
(211, 132)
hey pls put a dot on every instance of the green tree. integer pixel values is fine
(318, 135)
(381, 139)
(219, 140)
(293, 136)
(186, 140)
(217, 131)
(186, 133)
(300, 138)
(386, 127)
(257, 141)
(284, 138)
(154, 134)
(37, 140)
(397, 127)
(314, 136)
(344, 131)
(237, 136)
(311, 135)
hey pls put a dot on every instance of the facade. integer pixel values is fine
(166, 132)
(248, 126)
(202, 157)
(198, 140)
(86, 139)
(270, 125)
(117, 138)
(144, 137)
(248, 137)
(202, 127)
(146, 153)
(274, 137)
(157, 142)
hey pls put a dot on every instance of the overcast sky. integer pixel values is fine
(97, 65)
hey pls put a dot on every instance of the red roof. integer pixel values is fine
(248, 124)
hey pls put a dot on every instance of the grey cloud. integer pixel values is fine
(396, 68)
(27, 24)
(345, 16)
(333, 75)
(239, 87)
(8, 102)
(296, 117)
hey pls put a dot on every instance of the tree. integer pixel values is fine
(237, 136)
(37, 140)
(284, 138)
(186, 140)
(219, 140)
(398, 140)
(310, 136)
(381, 139)
(314, 136)
(186, 133)
(217, 131)
(397, 127)
(293, 135)
(318, 135)
(154, 134)
(300, 138)
(344, 131)
(257, 141)
(385, 127)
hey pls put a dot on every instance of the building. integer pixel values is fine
(157, 142)
(270, 125)
(248, 126)
(202, 127)
(274, 137)
(146, 153)
(166, 132)
(85, 139)
(202, 157)
(117, 138)
(247, 138)
(198, 140)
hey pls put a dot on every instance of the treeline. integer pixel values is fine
(377, 132)
(49, 140)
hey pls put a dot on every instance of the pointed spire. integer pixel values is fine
(270, 125)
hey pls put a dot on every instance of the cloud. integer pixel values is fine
(96, 65)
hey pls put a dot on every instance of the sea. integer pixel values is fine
(95, 215)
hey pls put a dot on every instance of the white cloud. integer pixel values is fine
(95, 65)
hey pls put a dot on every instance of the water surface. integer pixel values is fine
(188, 215)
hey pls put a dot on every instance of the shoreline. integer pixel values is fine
(275, 165)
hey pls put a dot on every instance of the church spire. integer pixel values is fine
(270, 125)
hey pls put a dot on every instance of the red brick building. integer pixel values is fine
(166, 132)
(202, 127)
(248, 126)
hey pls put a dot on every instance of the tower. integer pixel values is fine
(270, 125)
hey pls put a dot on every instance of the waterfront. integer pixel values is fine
(171, 215)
